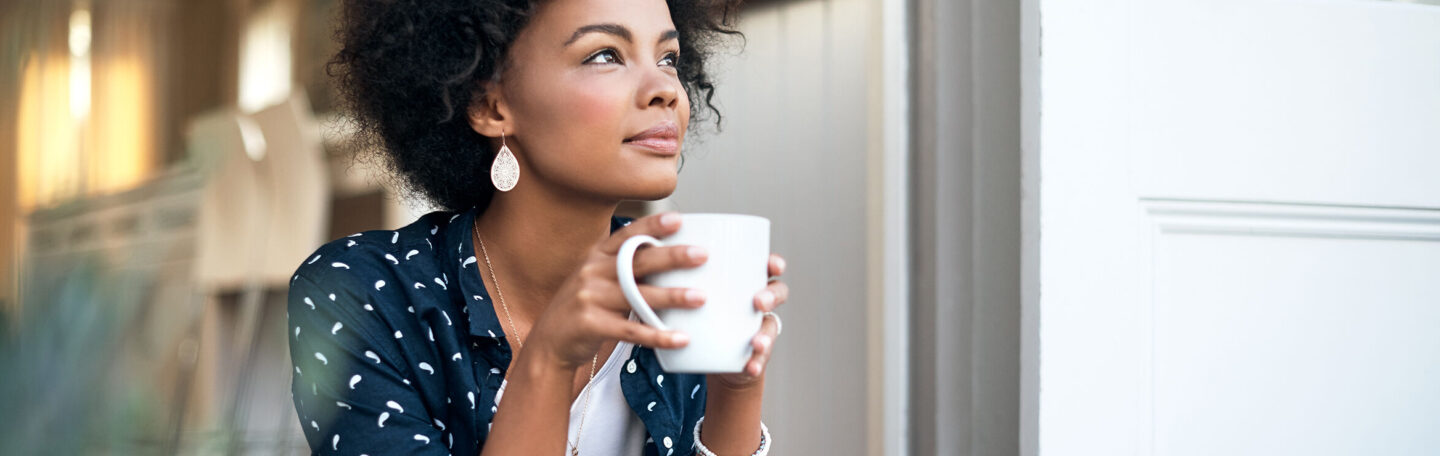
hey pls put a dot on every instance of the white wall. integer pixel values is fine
(794, 149)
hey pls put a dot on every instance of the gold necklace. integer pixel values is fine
(574, 447)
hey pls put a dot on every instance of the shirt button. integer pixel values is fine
(668, 443)
(630, 367)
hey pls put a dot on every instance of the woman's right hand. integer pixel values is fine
(590, 309)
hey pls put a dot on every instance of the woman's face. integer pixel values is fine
(593, 100)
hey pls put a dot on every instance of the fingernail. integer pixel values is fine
(670, 220)
(695, 296)
(762, 341)
(780, 264)
(679, 338)
(696, 253)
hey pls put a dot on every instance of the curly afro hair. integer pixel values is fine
(408, 69)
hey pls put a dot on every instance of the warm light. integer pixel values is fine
(80, 32)
(80, 63)
(265, 59)
(124, 123)
(47, 138)
(86, 119)
(79, 88)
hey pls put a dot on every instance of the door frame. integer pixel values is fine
(966, 228)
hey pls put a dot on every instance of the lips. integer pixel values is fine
(663, 139)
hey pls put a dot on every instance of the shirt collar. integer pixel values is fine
(459, 248)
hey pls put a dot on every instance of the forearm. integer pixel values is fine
(534, 414)
(732, 418)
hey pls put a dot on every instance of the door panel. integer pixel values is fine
(1233, 245)
(1281, 330)
(1318, 101)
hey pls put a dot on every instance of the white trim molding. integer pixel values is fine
(888, 253)
(1292, 219)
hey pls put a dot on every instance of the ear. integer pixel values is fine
(489, 113)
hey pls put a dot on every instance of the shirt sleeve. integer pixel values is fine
(349, 387)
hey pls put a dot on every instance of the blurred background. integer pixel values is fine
(168, 163)
(1158, 227)
(151, 150)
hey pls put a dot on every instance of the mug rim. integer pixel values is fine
(684, 215)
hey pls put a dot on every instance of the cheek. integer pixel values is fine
(582, 128)
(591, 103)
(684, 112)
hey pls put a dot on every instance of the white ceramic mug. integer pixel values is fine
(720, 331)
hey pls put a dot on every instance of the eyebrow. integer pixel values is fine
(616, 30)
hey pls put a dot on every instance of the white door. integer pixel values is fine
(1232, 217)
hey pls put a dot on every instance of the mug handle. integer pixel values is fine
(625, 269)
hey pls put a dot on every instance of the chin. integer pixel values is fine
(647, 180)
(654, 189)
(652, 184)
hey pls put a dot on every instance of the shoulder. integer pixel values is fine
(369, 275)
(375, 254)
(358, 281)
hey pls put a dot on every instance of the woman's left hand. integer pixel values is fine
(766, 300)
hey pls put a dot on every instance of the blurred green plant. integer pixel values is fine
(62, 389)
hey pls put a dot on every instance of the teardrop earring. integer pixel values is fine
(505, 172)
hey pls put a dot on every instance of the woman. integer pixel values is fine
(570, 106)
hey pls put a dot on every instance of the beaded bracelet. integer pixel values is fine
(762, 451)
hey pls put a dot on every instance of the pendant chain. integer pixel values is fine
(574, 447)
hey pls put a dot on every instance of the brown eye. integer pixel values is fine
(670, 60)
(603, 57)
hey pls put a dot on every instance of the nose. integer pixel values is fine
(659, 88)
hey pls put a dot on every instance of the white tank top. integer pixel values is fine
(611, 428)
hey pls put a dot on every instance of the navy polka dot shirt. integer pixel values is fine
(397, 349)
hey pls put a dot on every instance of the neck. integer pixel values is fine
(536, 240)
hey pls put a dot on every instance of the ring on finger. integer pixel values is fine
(779, 327)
